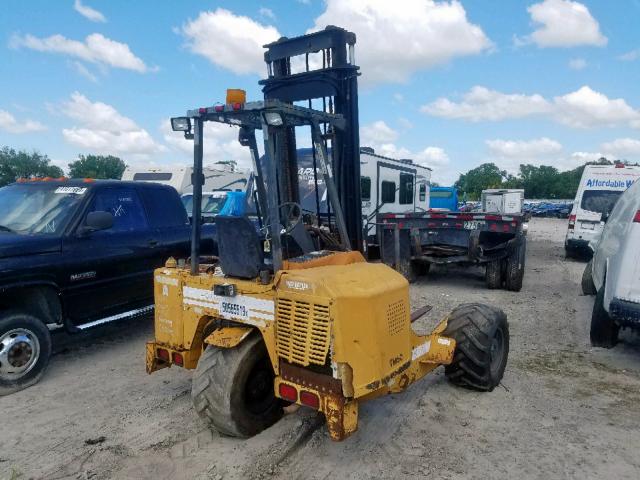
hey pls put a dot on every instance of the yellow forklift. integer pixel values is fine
(289, 311)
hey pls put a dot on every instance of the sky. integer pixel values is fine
(449, 84)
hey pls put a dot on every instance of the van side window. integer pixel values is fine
(388, 192)
(365, 188)
(125, 206)
(423, 192)
(406, 188)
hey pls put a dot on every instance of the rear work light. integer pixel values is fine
(177, 359)
(310, 400)
(163, 354)
(287, 392)
(572, 222)
(636, 219)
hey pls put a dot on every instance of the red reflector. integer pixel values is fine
(287, 392)
(493, 217)
(505, 227)
(177, 359)
(163, 354)
(237, 106)
(636, 219)
(309, 399)
(459, 225)
(219, 108)
(465, 217)
(572, 222)
(493, 227)
(431, 224)
(619, 165)
(202, 110)
(438, 215)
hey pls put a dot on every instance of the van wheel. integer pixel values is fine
(588, 287)
(232, 389)
(515, 267)
(481, 333)
(25, 348)
(493, 274)
(604, 330)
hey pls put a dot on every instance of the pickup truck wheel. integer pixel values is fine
(493, 275)
(481, 333)
(25, 348)
(515, 267)
(588, 287)
(604, 330)
(232, 389)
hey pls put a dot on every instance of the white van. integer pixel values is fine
(614, 272)
(215, 178)
(599, 189)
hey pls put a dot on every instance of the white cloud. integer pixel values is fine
(84, 71)
(564, 23)
(481, 103)
(622, 148)
(397, 39)
(102, 129)
(230, 41)
(541, 147)
(10, 124)
(96, 48)
(88, 12)
(630, 56)
(267, 13)
(577, 64)
(377, 133)
(583, 108)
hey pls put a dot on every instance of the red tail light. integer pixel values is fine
(572, 222)
(287, 392)
(636, 219)
(310, 399)
(163, 354)
(177, 359)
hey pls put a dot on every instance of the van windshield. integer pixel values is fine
(38, 209)
(600, 201)
(211, 204)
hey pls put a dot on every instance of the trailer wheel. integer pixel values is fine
(232, 389)
(408, 269)
(515, 267)
(588, 287)
(604, 330)
(481, 333)
(493, 274)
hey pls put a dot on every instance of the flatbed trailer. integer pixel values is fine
(411, 242)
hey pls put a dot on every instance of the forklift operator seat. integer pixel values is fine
(239, 247)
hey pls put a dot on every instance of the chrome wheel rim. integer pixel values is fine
(19, 353)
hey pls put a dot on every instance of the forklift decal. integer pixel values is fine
(251, 310)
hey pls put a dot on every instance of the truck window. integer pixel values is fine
(125, 206)
(600, 201)
(406, 189)
(164, 207)
(152, 176)
(365, 188)
(423, 192)
(388, 192)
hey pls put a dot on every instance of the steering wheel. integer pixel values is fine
(291, 212)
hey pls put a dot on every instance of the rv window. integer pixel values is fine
(441, 194)
(406, 189)
(365, 188)
(152, 176)
(388, 192)
(423, 192)
(600, 201)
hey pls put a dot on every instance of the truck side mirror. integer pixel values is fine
(96, 221)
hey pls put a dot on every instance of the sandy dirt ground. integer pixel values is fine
(564, 409)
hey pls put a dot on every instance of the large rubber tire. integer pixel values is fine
(232, 389)
(481, 333)
(514, 272)
(25, 349)
(493, 274)
(604, 330)
(408, 269)
(588, 287)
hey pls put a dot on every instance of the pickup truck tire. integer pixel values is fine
(604, 330)
(25, 348)
(232, 389)
(515, 267)
(493, 274)
(481, 333)
(588, 287)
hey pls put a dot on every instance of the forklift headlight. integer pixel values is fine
(181, 124)
(273, 118)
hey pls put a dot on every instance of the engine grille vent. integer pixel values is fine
(302, 332)
(396, 313)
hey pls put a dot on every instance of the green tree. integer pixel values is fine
(487, 175)
(97, 166)
(23, 164)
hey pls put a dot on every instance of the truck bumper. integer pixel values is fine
(577, 245)
(625, 313)
(160, 356)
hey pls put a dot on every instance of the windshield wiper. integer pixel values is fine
(6, 229)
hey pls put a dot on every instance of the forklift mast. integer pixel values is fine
(335, 85)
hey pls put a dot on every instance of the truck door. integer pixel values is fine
(111, 271)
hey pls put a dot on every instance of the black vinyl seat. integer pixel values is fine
(239, 247)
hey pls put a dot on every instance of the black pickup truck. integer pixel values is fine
(78, 253)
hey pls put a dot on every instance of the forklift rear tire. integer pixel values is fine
(604, 330)
(493, 274)
(588, 287)
(515, 267)
(232, 389)
(481, 333)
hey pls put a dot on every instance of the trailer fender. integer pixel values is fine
(228, 337)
